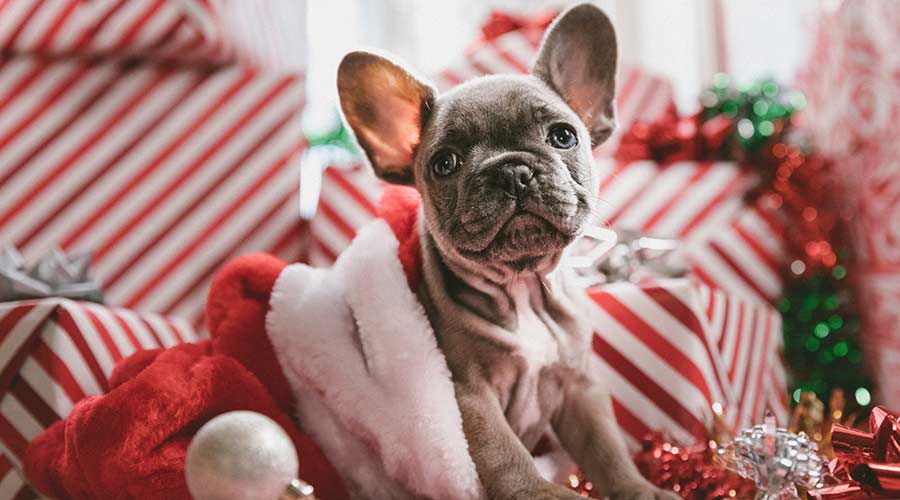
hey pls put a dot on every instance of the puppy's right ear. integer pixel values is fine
(386, 108)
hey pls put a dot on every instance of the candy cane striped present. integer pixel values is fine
(12, 486)
(672, 349)
(730, 245)
(55, 352)
(164, 172)
(346, 203)
(183, 30)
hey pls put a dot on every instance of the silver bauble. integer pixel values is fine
(240, 455)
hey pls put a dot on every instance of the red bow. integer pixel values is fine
(867, 463)
(499, 23)
(674, 138)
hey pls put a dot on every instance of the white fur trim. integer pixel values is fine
(372, 386)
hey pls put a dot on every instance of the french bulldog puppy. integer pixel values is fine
(504, 168)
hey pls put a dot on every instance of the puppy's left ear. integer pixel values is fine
(578, 60)
(386, 107)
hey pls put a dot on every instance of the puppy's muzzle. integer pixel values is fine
(515, 180)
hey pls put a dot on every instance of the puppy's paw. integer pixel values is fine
(642, 490)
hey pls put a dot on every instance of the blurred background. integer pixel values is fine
(145, 143)
(685, 41)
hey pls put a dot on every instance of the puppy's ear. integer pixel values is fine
(578, 60)
(386, 107)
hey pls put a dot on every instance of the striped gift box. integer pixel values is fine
(55, 352)
(731, 245)
(672, 349)
(163, 171)
(346, 203)
(164, 29)
(12, 486)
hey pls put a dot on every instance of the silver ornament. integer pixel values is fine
(601, 255)
(240, 455)
(776, 460)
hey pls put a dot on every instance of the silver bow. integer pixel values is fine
(55, 274)
(775, 459)
(603, 255)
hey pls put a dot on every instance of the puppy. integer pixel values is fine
(504, 168)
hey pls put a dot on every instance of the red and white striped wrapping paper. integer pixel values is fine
(670, 349)
(346, 203)
(55, 352)
(12, 486)
(730, 244)
(851, 82)
(163, 171)
(182, 30)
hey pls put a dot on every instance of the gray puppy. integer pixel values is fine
(504, 167)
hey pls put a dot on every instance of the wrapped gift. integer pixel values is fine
(12, 485)
(854, 98)
(731, 245)
(186, 30)
(55, 352)
(346, 203)
(675, 350)
(163, 167)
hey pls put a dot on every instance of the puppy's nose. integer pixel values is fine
(516, 179)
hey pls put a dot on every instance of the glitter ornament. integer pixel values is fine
(777, 461)
(243, 455)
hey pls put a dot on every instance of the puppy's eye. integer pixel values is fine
(562, 136)
(445, 163)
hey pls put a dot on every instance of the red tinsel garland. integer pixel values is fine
(692, 472)
(797, 184)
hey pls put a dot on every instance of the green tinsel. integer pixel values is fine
(821, 336)
(760, 110)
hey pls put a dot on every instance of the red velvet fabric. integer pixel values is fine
(131, 442)
(399, 207)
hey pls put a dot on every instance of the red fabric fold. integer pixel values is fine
(131, 442)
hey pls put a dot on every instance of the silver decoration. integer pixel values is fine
(298, 489)
(55, 274)
(243, 455)
(603, 256)
(775, 459)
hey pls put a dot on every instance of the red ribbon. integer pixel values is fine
(672, 139)
(867, 463)
(500, 23)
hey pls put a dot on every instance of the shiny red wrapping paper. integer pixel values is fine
(867, 464)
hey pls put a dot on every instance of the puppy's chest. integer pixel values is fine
(530, 378)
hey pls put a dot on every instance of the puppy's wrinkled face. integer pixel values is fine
(503, 163)
(504, 168)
